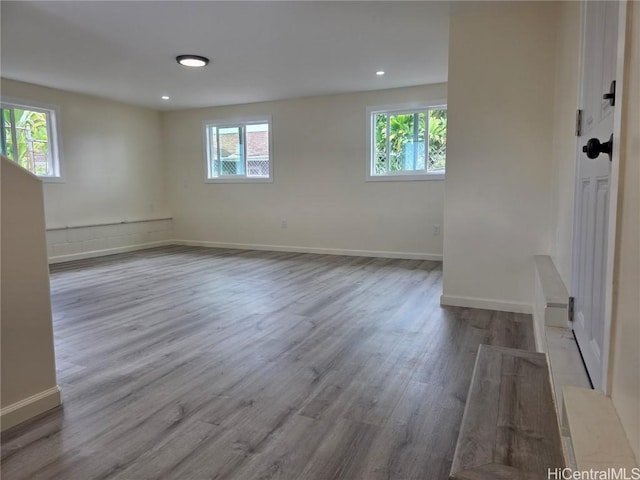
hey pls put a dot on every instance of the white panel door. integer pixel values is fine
(600, 34)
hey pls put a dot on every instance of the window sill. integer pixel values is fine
(405, 178)
(239, 180)
(52, 179)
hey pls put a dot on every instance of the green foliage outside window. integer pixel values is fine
(29, 130)
(402, 134)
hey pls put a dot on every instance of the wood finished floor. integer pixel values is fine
(192, 363)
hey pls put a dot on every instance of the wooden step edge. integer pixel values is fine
(460, 469)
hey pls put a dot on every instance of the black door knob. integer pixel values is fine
(594, 148)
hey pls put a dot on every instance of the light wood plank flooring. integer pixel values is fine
(192, 363)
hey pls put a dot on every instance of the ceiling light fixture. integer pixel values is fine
(380, 73)
(192, 60)
(165, 97)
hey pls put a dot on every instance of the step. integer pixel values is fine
(509, 428)
(597, 436)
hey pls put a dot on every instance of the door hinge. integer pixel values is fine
(578, 122)
(611, 96)
(570, 310)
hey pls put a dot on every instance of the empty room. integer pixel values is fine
(320, 240)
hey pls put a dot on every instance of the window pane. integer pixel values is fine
(7, 138)
(238, 151)
(380, 147)
(420, 147)
(405, 145)
(437, 140)
(32, 137)
(213, 161)
(258, 150)
(231, 154)
(411, 142)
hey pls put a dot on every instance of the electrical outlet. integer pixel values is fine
(284, 223)
(436, 229)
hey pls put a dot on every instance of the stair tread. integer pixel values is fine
(510, 418)
(598, 438)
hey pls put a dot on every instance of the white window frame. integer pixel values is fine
(53, 127)
(391, 110)
(234, 122)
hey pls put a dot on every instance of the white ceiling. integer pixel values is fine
(125, 50)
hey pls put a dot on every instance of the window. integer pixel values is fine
(29, 137)
(407, 142)
(239, 151)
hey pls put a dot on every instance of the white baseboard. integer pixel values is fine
(323, 251)
(485, 303)
(108, 251)
(30, 407)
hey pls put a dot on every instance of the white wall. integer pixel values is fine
(112, 162)
(564, 144)
(625, 368)
(498, 187)
(65, 244)
(319, 148)
(28, 378)
(625, 355)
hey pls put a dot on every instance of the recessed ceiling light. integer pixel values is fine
(165, 97)
(192, 60)
(380, 73)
